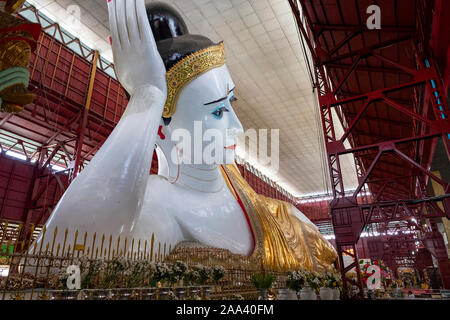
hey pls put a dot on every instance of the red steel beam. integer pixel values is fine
(425, 82)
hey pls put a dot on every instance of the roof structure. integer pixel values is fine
(266, 61)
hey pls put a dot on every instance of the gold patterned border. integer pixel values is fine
(186, 70)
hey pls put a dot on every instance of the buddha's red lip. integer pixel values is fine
(233, 147)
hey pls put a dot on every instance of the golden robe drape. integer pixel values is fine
(282, 241)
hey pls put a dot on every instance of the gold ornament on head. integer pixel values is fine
(188, 69)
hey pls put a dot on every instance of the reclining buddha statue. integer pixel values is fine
(18, 39)
(179, 81)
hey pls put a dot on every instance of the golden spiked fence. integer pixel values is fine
(32, 271)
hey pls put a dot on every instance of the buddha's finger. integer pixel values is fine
(132, 23)
(121, 15)
(115, 40)
(147, 34)
(145, 30)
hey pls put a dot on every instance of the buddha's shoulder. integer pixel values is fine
(159, 190)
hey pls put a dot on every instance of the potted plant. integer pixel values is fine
(330, 286)
(327, 284)
(315, 282)
(337, 285)
(299, 281)
(176, 275)
(295, 281)
(160, 274)
(191, 279)
(312, 283)
(263, 282)
(217, 274)
(205, 274)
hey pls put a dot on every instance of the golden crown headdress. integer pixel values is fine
(189, 68)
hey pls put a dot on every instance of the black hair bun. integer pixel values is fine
(166, 22)
(172, 35)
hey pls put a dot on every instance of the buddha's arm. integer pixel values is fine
(121, 166)
(107, 196)
(108, 193)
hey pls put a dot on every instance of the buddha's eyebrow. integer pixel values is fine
(221, 99)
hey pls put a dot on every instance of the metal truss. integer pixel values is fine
(390, 123)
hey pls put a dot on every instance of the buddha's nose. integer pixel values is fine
(235, 126)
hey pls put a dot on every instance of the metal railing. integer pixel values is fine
(115, 268)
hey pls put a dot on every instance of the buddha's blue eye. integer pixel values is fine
(218, 112)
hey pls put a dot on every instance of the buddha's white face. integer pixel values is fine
(205, 110)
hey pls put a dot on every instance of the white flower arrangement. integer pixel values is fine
(204, 273)
(332, 280)
(179, 267)
(63, 275)
(139, 272)
(114, 269)
(299, 279)
(177, 272)
(296, 280)
(160, 271)
(120, 272)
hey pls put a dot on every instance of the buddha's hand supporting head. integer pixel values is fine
(136, 57)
